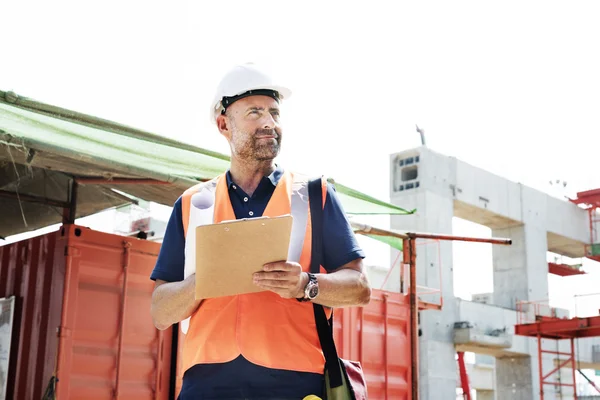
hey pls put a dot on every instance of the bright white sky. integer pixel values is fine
(511, 87)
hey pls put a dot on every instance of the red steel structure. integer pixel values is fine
(547, 325)
(590, 199)
(563, 269)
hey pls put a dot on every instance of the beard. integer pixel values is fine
(252, 146)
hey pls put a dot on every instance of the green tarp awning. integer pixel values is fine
(43, 148)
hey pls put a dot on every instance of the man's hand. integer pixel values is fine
(284, 278)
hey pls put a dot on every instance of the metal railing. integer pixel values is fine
(529, 312)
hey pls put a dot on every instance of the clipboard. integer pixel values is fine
(230, 252)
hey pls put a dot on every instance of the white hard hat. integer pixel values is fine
(242, 81)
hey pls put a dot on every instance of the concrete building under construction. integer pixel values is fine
(513, 328)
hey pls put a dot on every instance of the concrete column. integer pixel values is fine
(514, 380)
(437, 365)
(519, 267)
(520, 274)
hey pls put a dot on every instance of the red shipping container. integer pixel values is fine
(83, 310)
(378, 336)
(97, 275)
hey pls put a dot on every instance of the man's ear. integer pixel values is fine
(223, 125)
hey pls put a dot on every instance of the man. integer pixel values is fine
(262, 345)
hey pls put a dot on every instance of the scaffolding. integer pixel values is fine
(538, 320)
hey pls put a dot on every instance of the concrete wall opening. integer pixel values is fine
(410, 173)
(405, 171)
(473, 270)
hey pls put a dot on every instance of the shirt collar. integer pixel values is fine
(274, 177)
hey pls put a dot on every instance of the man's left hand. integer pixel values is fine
(284, 278)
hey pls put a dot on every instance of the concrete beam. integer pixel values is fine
(476, 337)
(482, 216)
(488, 199)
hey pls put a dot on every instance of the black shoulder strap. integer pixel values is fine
(324, 328)
(315, 200)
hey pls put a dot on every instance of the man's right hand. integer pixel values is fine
(172, 302)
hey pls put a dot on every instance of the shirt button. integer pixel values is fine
(245, 199)
(251, 213)
(235, 187)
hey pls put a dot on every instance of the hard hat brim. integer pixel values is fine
(284, 94)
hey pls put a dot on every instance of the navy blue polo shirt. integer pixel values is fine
(240, 378)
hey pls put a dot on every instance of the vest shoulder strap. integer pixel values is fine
(186, 200)
(300, 179)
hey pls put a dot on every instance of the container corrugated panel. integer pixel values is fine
(109, 345)
(378, 336)
(26, 271)
(98, 306)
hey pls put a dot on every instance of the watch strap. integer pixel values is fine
(311, 278)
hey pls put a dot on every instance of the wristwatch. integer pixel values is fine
(311, 290)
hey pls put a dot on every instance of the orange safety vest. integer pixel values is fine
(265, 328)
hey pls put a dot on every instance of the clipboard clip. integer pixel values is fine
(229, 221)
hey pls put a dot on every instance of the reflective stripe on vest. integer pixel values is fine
(266, 329)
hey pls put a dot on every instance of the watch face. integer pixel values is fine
(313, 292)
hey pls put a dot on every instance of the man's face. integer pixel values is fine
(251, 125)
